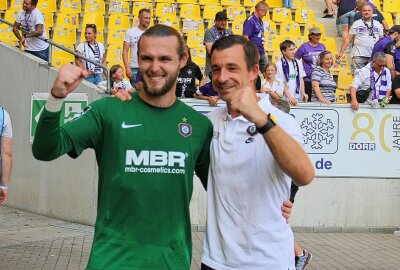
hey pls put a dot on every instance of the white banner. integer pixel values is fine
(342, 142)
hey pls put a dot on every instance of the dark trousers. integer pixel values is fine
(308, 89)
(41, 54)
(205, 267)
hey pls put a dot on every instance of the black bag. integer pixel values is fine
(362, 95)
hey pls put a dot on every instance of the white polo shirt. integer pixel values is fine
(280, 76)
(132, 37)
(246, 189)
(7, 128)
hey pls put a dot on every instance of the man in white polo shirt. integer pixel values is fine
(6, 154)
(255, 152)
(31, 19)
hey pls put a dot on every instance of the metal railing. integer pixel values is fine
(67, 50)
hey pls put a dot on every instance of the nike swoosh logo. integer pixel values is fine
(129, 126)
(249, 140)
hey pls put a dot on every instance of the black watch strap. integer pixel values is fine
(270, 124)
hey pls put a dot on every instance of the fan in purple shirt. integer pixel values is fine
(309, 53)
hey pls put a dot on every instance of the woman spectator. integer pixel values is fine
(270, 85)
(322, 81)
(186, 82)
(93, 50)
(309, 52)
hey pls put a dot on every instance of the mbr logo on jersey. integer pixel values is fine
(155, 161)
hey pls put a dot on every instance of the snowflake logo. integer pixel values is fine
(316, 131)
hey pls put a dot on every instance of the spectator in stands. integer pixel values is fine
(6, 154)
(31, 19)
(117, 81)
(371, 83)
(93, 50)
(291, 72)
(130, 43)
(396, 59)
(346, 15)
(253, 29)
(207, 92)
(323, 84)
(376, 15)
(287, 3)
(329, 9)
(216, 32)
(186, 82)
(365, 32)
(387, 44)
(396, 91)
(309, 53)
(270, 85)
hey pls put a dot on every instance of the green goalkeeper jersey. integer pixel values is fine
(146, 157)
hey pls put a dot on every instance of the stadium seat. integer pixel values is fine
(165, 10)
(209, 11)
(48, 19)
(59, 62)
(342, 64)
(7, 35)
(199, 56)
(15, 5)
(195, 39)
(3, 5)
(70, 6)
(377, 3)
(236, 13)
(299, 4)
(270, 28)
(237, 27)
(329, 43)
(397, 18)
(345, 77)
(388, 18)
(341, 96)
(68, 20)
(310, 25)
(298, 40)
(11, 15)
(118, 7)
(161, 1)
(392, 6)
(57, 53)
(281, 15)
(276, 56)
(137, 6)
(208, 2)
(192, 25)
(249, 3)
(47, 6)
(189, 11)
(99, 35)
(186, 2)
(63, 35)
(171, 21)
(114, 53)
(227, 3)
(95, 6)
(304, 15)
(273, 3)
(289, 28)
(116, 35)
(272, 43)
(118, 21)
(93, 18)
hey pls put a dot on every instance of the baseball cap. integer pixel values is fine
(315, 30)
(221, 16)
(395, 28)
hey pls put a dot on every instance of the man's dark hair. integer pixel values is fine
(144, 10)
(251, 54)
(160, 30)
(34, 2)
(286, 44)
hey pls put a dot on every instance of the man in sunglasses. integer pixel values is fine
(371, 83)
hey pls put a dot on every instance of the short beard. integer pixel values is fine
(164, 90)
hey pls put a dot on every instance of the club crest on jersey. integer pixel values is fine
(81, 113)
(184, 128)
(252, 130)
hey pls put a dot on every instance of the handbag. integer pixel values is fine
(362, 95)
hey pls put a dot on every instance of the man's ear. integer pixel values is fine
(254, 71)
(184, 59)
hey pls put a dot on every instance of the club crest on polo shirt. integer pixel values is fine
(252, 130)
(184, 128)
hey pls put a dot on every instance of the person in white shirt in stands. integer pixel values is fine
(365, 33)
(6, 154)
(131, 42)
(270, 85)
(255, 152)
(31, 19)
(291, 71)
(372, 83)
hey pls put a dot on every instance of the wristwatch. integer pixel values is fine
(270, 124)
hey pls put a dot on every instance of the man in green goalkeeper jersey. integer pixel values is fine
(147, 149)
